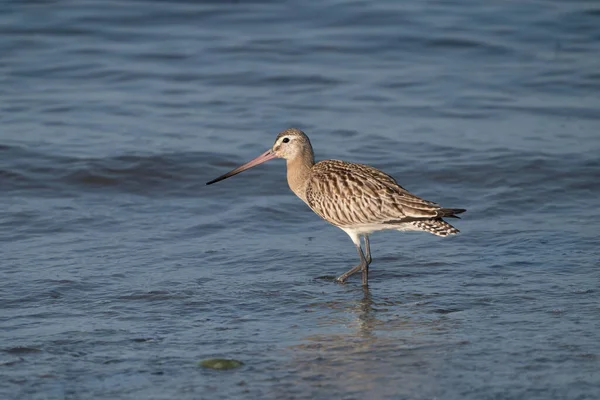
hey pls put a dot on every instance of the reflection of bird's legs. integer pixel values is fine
(366, 315)
(367, 301)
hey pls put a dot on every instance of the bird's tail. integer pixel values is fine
(450, 212)
(437, 226)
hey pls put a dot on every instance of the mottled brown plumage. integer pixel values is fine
(357, 198)
(355, 195)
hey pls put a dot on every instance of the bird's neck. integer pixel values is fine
(298, 173)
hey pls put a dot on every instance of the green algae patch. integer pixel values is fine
(220, 363)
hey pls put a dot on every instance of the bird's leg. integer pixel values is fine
(365, 269)
(360, 267)
(367, 249)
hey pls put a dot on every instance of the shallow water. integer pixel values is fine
(121, 270)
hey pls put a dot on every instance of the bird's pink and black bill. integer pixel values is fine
(266, 156)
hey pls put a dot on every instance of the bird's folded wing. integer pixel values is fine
(348, 194)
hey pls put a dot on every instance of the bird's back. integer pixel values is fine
(352, 195)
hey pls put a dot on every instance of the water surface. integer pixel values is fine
(120, 269)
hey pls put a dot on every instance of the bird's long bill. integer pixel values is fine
(266, 156)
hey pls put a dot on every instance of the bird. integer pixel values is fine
(357, 198)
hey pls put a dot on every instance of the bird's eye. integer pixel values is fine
(286, 139)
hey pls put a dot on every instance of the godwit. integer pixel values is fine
(356, 198)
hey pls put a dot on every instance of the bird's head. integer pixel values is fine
(290, 144)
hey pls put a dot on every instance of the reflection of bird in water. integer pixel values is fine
(356, 198)
(381, 351)
(365, 313)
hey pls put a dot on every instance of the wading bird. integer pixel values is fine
(356, 198)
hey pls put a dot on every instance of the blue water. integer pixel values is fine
(120, 269)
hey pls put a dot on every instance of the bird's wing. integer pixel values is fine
(347, 194)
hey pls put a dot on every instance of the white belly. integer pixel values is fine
(370, 228)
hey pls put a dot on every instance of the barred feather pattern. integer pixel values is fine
(350, 195)
(438, 227)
